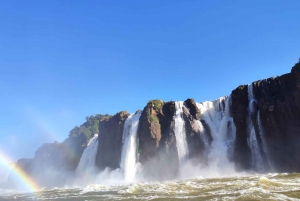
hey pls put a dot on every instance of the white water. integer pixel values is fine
(257, 160)
(86, 164)
(203, 135)
(217, 116)
(129, 164)
(180, 134)
(281, 187)
(263, 141)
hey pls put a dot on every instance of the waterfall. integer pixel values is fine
(129, 148)
(263, 141)
(231, 129)
(203, 135)
(216, 114)
(257, 160)
(87, 161)
(261, 132)
(180, 134)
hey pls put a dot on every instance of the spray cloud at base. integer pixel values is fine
(197, 141)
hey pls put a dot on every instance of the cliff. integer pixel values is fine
(270, 120)
(110, 141)
(278, 102)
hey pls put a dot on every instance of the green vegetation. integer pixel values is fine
(156, 105)
(138, 148)
(139, 151)
(122, 113)
(90, 127)
(259, 83)
(241, 87)
(153, 119)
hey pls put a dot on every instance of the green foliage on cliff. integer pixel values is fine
(153, 119)
(139, 151)
(123, 113)
(89, 127)
(241, 87)
(156, 105)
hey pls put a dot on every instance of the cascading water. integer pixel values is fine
(87, 161)
(180, 134)
(257, 160)
(129, 148)
(231, 129)
(216, 114)
(203, 135)
(263, 141)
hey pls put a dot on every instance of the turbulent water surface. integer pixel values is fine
(251, 187)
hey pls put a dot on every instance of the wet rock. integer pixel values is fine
(242, 152)
(110, 141)
(278, 100)
(157, 142)
(191, 116)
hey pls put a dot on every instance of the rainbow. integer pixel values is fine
(29, 182)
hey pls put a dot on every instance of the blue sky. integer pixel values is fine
(64, 60)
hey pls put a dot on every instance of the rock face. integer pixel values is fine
(157, 144)
(278, 102)
(279, 105)
(149, 130)
(110, 141)
(195, 143)
(275, 119)
(157, 137)
(242, 152)
(49, 167)
(54, 162)
(12, 179)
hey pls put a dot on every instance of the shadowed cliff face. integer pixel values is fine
(242, 153)
(50, 167)
(149, 130)
(279, 104)
(53, 163)
(157, 144)
(275, 117)
(195, 143)
(110, 141)
(158, 149)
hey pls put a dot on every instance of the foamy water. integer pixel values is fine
(252, 187)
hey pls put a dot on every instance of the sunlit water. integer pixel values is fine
(251, 187)
(207, 181)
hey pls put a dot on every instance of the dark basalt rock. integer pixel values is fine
(279, 104)
(278, 101)
(149, 130)
(196, 146)
(54, 162)
(157, 142)
(156, 129)
(242, 152)
(110, 141)
(168, 140)
(12, 180)
(49, 167)
(193, 109)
